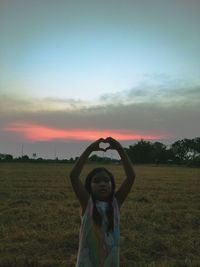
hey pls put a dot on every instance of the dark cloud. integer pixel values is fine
(155, 94)
(171, 113)
(14, 103)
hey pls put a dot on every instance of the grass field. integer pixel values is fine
(39, 216)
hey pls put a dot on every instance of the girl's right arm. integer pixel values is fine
(77, 184)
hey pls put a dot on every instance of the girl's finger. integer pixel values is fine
(100, 140)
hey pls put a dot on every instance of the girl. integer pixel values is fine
(100, 204)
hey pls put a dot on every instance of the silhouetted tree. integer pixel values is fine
(8, 157)
(25, 158)
(186, 149)
(140, 152)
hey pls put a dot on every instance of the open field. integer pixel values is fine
(39, 216)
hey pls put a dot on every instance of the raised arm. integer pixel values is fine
(76, 182)
(125, 187)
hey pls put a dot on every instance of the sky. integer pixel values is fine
(74, 71)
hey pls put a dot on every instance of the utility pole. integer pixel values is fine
(55, 153)
(22, 152)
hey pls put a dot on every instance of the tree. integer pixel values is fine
(186, 149)
(158, 152)
(25, 158)
(140, 152)
(94, 158)
(8, 157)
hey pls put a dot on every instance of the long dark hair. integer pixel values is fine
(95, 214)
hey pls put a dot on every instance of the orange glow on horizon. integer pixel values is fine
(34, 133)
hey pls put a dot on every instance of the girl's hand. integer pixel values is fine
(95, 145)
(114, 144)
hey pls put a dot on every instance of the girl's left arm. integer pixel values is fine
(125, 187)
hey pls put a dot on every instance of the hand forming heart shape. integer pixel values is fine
(104, 146)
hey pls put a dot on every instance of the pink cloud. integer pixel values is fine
(34, 133)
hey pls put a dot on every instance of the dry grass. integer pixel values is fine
(39, 216)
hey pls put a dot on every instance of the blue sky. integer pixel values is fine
(74, 65)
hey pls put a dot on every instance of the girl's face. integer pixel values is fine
(101, 186)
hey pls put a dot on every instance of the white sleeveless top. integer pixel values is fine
(96, 248)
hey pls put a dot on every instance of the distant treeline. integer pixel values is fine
(185, 151)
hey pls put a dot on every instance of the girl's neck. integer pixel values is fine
(105, 201)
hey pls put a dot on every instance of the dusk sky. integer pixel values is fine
(75, 71)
